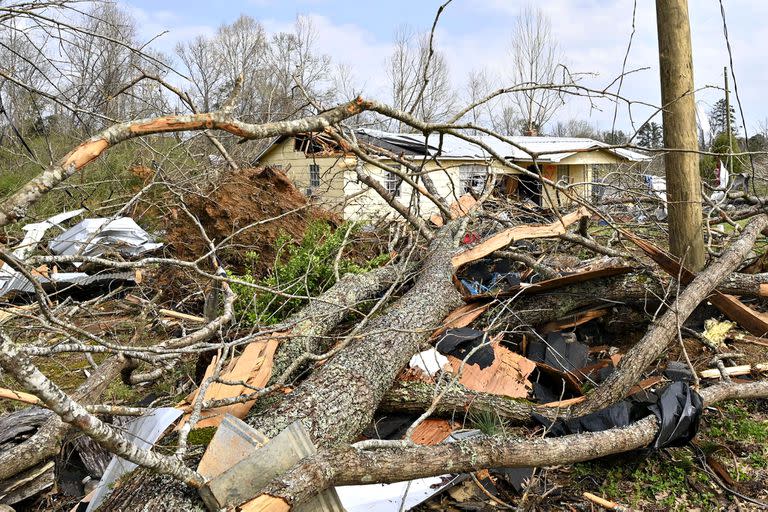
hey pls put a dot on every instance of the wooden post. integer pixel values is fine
(682, 168)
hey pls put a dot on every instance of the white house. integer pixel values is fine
(324, 170)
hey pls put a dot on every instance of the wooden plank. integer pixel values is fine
(461, 317)
(181, 316)
(253, 366)
(746, 338)
(744, 369)
(749, 319)
(506, 237)
(432, 431)
(265, 503)
(572, 321)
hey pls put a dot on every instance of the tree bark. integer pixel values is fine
(656, 340)
(686, 240)
(416, 397)
(325, 312)
(348, 466)
(339, 399)
(46, 443)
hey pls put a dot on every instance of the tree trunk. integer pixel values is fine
(348, 466)
(340, 397)
(686, 240)
(325, 312)
(656, 340)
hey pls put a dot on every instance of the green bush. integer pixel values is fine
(303, 270)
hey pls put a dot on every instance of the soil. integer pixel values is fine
(243, 214)
(246, 197)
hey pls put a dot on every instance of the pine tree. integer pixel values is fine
(650, 135)
(717, 119)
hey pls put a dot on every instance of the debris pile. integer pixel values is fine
(518, 366)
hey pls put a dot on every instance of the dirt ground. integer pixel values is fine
(248, 197)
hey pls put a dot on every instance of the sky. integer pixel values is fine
(475, 35)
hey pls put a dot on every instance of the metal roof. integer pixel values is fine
(521, 148)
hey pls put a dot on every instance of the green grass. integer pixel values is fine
(658, 479)
(489, 423)
(737, 424)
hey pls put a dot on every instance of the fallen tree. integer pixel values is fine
(333, 375)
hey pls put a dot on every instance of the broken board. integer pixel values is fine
(253, 366)
(506, 237)
(507, 375)
(749, 319)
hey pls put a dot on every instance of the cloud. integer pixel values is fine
(165, 27)
(475, 34)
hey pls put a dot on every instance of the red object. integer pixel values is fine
(470, 238)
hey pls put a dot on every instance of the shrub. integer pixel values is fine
(302, 270)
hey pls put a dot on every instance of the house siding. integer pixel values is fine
(340, 190)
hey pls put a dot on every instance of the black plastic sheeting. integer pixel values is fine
(559, 353)
(678, 371)
(460, 342)
(677, 407)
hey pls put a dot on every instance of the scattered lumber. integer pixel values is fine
(732, 371)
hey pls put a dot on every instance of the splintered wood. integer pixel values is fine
(253, 366)
(458, 209)
(432, 431)
(507, 375)
(461, 317)
(506, 237)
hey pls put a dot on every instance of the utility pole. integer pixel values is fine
(686, 240)
(728, 128)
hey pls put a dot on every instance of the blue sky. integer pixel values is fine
(475, 34)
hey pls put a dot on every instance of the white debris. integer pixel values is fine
(392, 497)
(94, 237)
(431, 361)
(36, 231)
(142, 433)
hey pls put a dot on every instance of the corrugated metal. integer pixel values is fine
(450, 146)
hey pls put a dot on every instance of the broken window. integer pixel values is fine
(314, 175)
(393, 182)
(472, 177)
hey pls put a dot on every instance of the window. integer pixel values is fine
(563, 175)
(393, 182)
(314, 175)
(472, 177)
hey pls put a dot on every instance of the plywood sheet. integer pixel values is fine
(507, 375)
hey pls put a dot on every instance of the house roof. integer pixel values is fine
(555, 149)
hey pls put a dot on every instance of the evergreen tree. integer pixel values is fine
(717, 119)
(650, 135)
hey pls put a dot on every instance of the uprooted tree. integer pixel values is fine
(338, 357)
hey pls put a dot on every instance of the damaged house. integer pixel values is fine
(323, 170)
